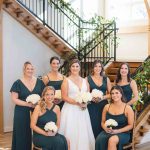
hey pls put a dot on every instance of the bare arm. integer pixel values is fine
(104, 117)
(17, 101)
(45, 79)
(135, 92)
(109, 86)
(57, 111)
(34, 119)
(64, 92)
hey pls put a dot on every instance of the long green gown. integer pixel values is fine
(103, 137)
(57, 142)
(96, 109)
(22, 138)
(57, 86)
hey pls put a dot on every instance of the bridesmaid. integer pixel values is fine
(54, 78)
(43, 113)
(20, 90)
(122, 113)
(127, 84)
(97, 80)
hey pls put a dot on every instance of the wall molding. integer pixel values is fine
(133, 29)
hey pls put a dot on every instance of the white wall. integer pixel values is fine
(132, 47)
(19, 45)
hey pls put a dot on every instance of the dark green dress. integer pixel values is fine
(96, 109)
(57, 86)
(127, 90)
(103, 137)
(22, 138)
(57, 142)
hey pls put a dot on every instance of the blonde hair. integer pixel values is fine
(42, 102)
(25, 65)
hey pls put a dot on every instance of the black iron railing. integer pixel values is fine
(89, 40)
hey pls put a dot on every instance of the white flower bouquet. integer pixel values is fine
(33, 98)
(51, 126)
(110, 123)
(83, 98)
(57, 98)
(97, 94)
(58, 94)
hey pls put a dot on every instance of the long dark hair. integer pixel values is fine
(117, 87)
(94, 64)
(118, 77)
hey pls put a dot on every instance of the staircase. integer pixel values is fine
(35, 26)
(112, 69)
(142, 129)
(58, 26)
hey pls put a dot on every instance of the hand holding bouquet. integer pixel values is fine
(33, 98)
(83, 98)
(97, 95)
(51, 128)
(110, 123)
(57, 99)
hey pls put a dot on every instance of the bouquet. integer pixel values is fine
(33, 98)
(51, 126)
(58, 94)
(110, 123)
(83, 97)
(57, 99)
(97, 94)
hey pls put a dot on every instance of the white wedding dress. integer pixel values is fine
(75, 123)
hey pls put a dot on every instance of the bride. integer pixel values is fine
(75, 122)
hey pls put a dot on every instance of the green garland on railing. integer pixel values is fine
(142, 79)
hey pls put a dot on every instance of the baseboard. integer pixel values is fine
(8, 129)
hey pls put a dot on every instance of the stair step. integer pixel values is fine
(131, 64)
(7, 3)
(115, 70)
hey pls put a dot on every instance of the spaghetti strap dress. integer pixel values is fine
(103, 137)
(57, 86)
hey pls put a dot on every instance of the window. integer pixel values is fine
(126, 12)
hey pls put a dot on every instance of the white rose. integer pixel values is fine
(33, 98)
(111, 123)
(50, 126)
(97, 93)
(58, 94)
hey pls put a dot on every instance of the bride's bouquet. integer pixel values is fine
(33, 98)
(97, 95)
(51, 126)
(83, 98)
(110, 123)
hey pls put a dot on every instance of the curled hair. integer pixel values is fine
(42, 102)
(54, 58)
(102, 66)
(118, 77)
(117, 87)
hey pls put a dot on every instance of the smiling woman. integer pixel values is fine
(54, 78)
(20, 90)
(75, 122)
